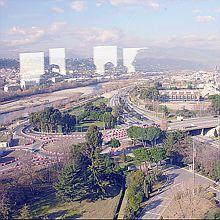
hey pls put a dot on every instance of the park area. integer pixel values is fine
(53, 208)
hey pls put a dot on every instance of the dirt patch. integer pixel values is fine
(186, 206)
(63, 145)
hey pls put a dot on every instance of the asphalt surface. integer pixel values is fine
(178, 180)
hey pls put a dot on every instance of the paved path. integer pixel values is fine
(178, 179)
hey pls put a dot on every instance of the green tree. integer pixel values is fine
(134, 132)
(135, 189)
(153, 134)
(142, 155)
(109, 120)
(94, 137)
(114, 143)
(89, 172)
(215, 99)
(157, 154)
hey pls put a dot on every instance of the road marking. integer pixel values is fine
(162, 197)
(153, 213)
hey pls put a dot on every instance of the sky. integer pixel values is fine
(78, 25)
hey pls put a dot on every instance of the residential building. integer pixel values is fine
(57, 57)
(31, 67)
(129, 55)
(104, 55)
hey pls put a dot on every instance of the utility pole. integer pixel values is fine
(194, 179)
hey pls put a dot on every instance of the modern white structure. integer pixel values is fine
(31, 67)
(129, 55)
(57, 57)
(210, 89)
(103, 55)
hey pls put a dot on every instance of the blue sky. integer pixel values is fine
(29, 25)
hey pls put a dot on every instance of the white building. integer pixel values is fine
(103, 55)
(31, 67)
(210, 89)
(129, 55)
(57, 57)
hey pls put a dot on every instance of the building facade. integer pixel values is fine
(103, 55)
(31, 67)
(57, 57)
(129, 55)
(181, 95)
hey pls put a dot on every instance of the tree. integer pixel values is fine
(109, 120)
(94, 137)
(153, 134)
(89, 172)
(215, 99)
(217, 171)
(169, 145)
(114, 143)
(142, 155)
(157, 154)
(52, 120)
(71, 185)
(165, 110)
(5, 209)
(117, 112)
(134, 132)
(25, 212)
(135, 189)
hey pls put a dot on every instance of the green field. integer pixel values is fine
(51, 207)
(79, 110)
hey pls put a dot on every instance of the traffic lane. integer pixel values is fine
(195, 121)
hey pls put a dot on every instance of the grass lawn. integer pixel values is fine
(77, 111)
(97, 123)
(100, 100)
(51, 207)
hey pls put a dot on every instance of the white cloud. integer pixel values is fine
(203, 19)
(78, 5)
(120, 3)
(153, 4)
(18, 36)
(57, 10)
(97, 35)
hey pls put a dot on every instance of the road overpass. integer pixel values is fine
(190, 124)
(194, 123)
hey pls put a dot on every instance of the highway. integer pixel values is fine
(184, 125)
(194, 123)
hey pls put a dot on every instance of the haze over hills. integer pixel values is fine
(183, 57)
(158, 58)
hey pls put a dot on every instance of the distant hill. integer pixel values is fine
(163, 64)
(183, 57)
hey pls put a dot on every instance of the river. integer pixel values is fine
(23, 108)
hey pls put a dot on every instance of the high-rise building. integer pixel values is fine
(129, 55)
(103, 55)
(57, 57)
(31, 67)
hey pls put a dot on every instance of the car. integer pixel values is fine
(132, 168)
(215, 116)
